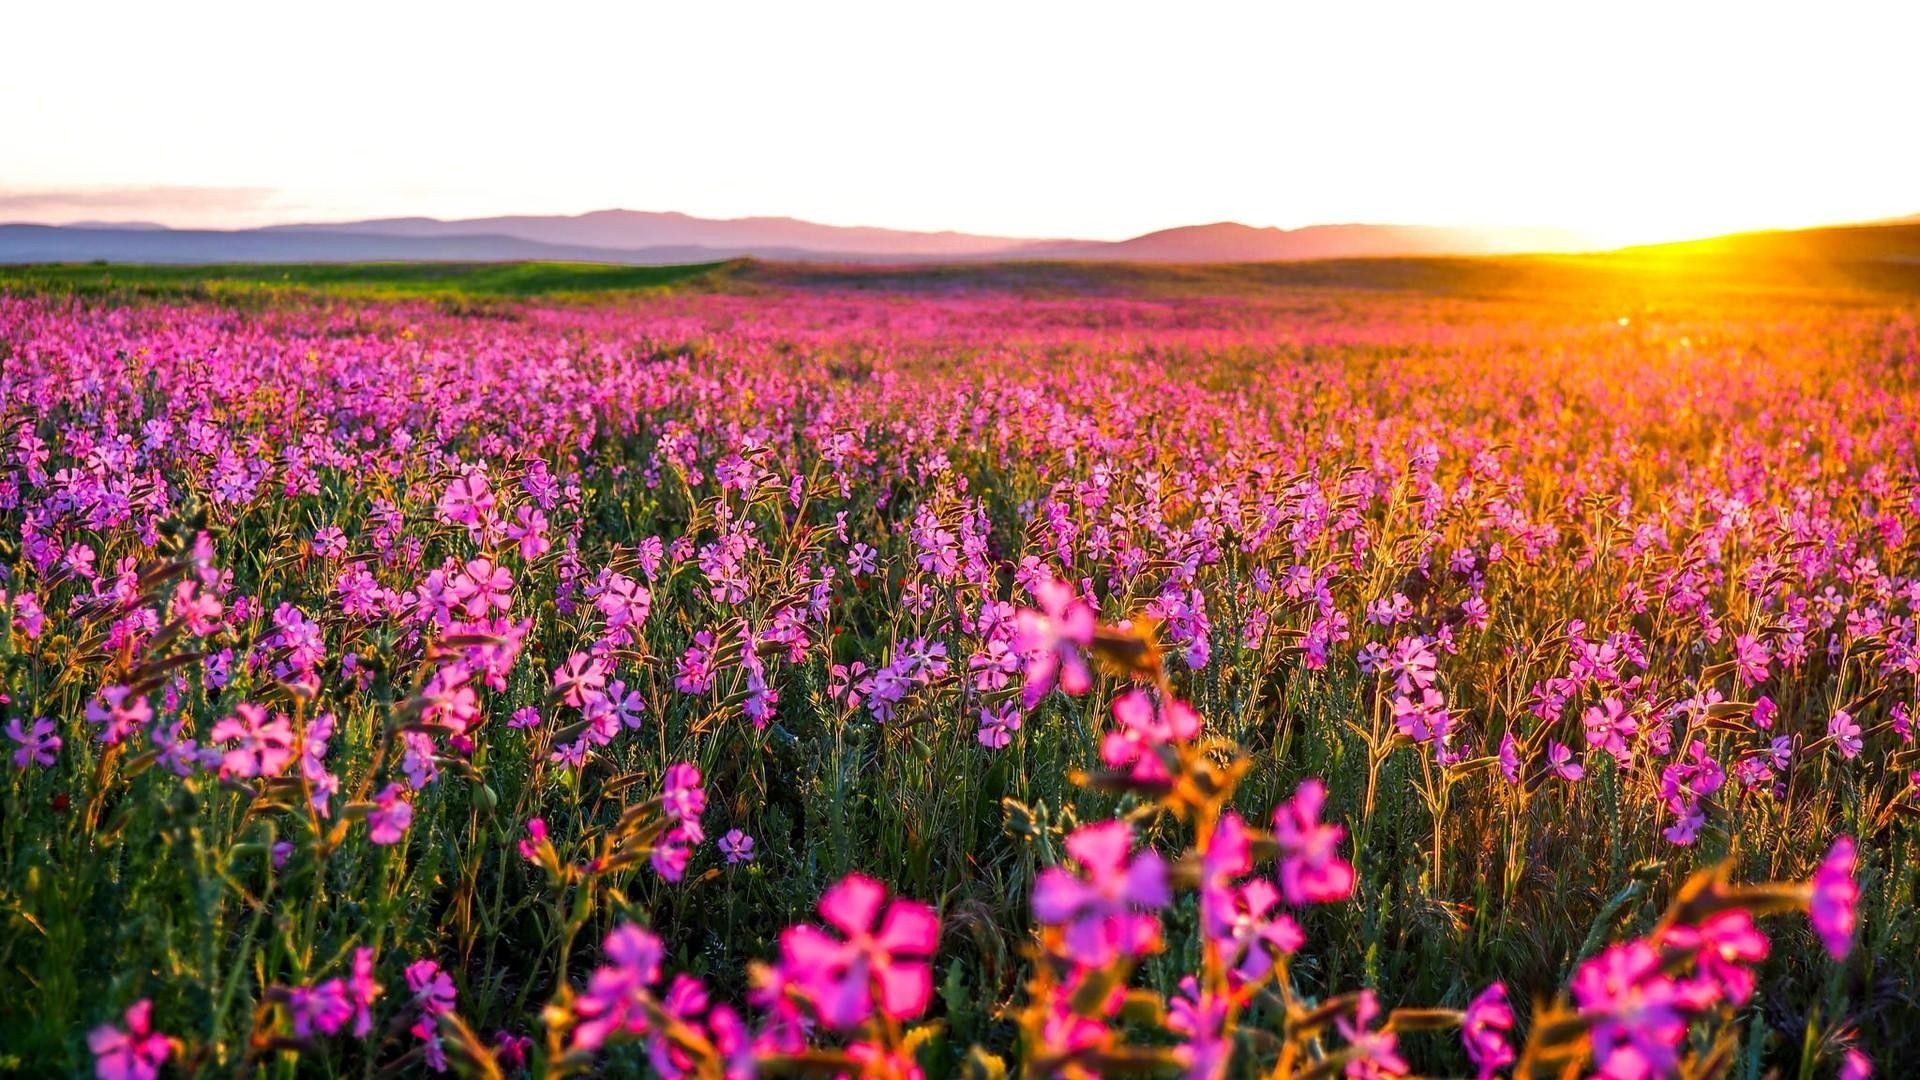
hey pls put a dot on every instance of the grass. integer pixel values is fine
(355, 281)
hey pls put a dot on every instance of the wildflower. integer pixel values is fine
(1374, 1053)
(882, 961)
(1751, 658)
(998, 725)
(135, 1053)
(1833, 897)
(1637, 1025)
(119, 712)
(1054, 640)
(481, 587)
(322, 1009)
(1311, 869)
(362, 990)
(1609, 726)
(431, 987)
(1251, 935)
(1855, 1065)
(1845, 733)
(536, 837)
(264, 746)
(1725, 944)
(682, 797)
(1200, 1018)
(1101, 911)
(1560, 760)
(1143, 729)
(579, 680)
(38, 744)
(736, 847)
(387, 821)
(1484, 1031)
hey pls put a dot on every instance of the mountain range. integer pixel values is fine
(643, 238)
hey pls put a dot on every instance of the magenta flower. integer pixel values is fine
(882, 961)
(264, 746)
(1311, 869)
(481, 588)
(319, 1010)
(1054, 640)
(1200, 1018)
(1833, 897)
(736, 847)
(431, 987)
(1609, 726)
(997, 725)
(1484, 1031)
(38, 744)
(1560, 760)
(536, 836)
(119, 712)
(362, 990)
(1143, 729)
(1101, 913)
(1845, 733)
(682, 797)
(1855, 1065)
(387, 821)
(1635, 1010)
(1751, 658)
(1251, 936)
(135, 1053)
(581, 678)
(1726, 945)
(1375, 1053)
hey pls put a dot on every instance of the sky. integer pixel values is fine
(1627, 121)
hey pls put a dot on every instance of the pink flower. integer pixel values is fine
(1726, 945)
(1609, 726)
(1855, 1066)
(1484, 1031)
(1751, 658)
(1311, 869)
(1560, 760)
(1054, 640)
(432, 988)
(118, 712)
(481, 587)
(362, 990)
(883, 959)
(536, 836)
(682, 797)
(322, 1009)
(1100, 912)
(133, 1054)
(582, 677)
(998, 725)
(264, 746)
(467, 500)
(38, 745)
(1637, 1024)
(1833, 898)
(1251, 936)
(391, 814)
(736, 847)
(1845, 733)
(1375, 1053)
(1143, 730)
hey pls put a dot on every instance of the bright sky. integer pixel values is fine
(1631, 121)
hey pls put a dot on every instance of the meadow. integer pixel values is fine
(1480, 668)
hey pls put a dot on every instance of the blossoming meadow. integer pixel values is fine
(853, 676)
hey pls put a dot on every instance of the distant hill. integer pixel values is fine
(635, 238)
(643, 238)
(1229, 241)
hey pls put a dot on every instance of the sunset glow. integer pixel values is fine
(1627, 122)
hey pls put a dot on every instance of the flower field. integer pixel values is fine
(866, 679)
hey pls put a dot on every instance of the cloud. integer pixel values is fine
(169, 204)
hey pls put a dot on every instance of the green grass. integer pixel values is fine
(358, 281)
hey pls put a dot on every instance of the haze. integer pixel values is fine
(1624, 121)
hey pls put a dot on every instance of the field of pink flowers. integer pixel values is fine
(838, 682)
